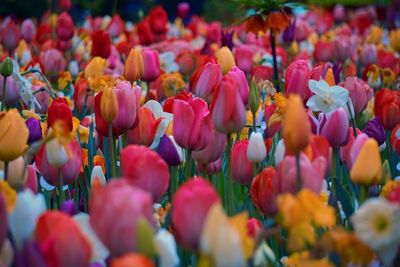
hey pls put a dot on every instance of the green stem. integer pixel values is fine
(363, 194)
(275, 63)
(3, 96)
(229, 180)
(188, 165)
(111, 151)
(298, 168)
(5, 170)
(353, 121)
(204, 171)
(61, 195)
(254, 123)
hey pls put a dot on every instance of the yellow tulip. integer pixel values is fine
(13, 135)
(375, 35)
(95, 68)
(225, 59)
(296, 128)
(395, 39)
(134, 66)
(109, 105)
(367, 168)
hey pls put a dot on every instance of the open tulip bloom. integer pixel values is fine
(165, 143)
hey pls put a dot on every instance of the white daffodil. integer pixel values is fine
(377, 224)
(326, 98)
(158, 112)
(166, 247)
(97, 174)
(23, 218)
(167, 62)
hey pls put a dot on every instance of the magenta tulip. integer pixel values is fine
(65, 27)
(114, 212)
(241, 83)
(192, 123)
(359, 91)
(244, 58)
(324, 51)
(12, 90)
(191, 204)
(334, 127)
(151, 64)
(28, 30)
(242, 167)
(145, 169)
(214, 149)
(345, 47)
(296, 79)
(228, 110)
(205, 79)
(127, 106)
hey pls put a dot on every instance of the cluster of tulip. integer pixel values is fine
(271, 143)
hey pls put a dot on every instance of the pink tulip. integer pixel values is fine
(116, 26)
(359, 91)
(316, 72)
(191, 204)
(205, 79)
(12, 90)
(3, 220)
(334, 127)
(369, 54)
(345, 47)
(10, 35)
(339, 12)
(324, 51)
(228, 110)
(42, 98)
(114, 212)
(213, 167)
(192, 123)
(356, 147)
(296, 79)
(214, 149)
(302, 31)
(127, 106)
(65, 27)
(242, 167)
(28, 30)
(145, 169)
(241, 83)
(345, 150)
(151, 64)
(214, 32)
(312, 174)
(53, 61)
(69, 171)
(31, 179)
(244, 58)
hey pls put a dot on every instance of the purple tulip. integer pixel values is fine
(68, 207)
(289, 32)
(35, 130)
(374, 129)
(227, 39)
(169, 151)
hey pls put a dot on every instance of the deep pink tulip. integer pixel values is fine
(205, 79)
(151, 64)
(53, 61)
(228, 110)
(145, 169)
(65, 27)
(182, 10)
(369, 54)
(116, 26)
(359, 91)
(316, 72)
(127, 106)
(244, 58)
(114, 212)
(12, 90)
(356, 147)
(31, 179)
(192, 125)
(69, 171)
(214, 149)
(3, 220)
(324, 51)
(312, 174)
(296, 79)
(334, 127)
(242, 168)
(10, 35)
(28, 30)
(191, 204)
(241, 83)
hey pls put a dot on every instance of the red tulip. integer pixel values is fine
(65, 27)
(182, 10)
(296, 79)
(388, 60)
(43, 33)
(192, 123)
(242, 168)
(145, 169)
(324, 51)
(244, 58)
(241, 83)
(273, 127)
(158, 20)
(205, 79)
(101, 44)
(262, 73)
(31, 179)
(387, 107)
(116, 26)
(151, 64)
(127, 106)
(302, 30)
(359, 92)
(69, 171)
(187, 62)
(114, 212)
(59, 111)
(214, 149)
(10, 35)
(145, 131)
(146, 36)
(81, 94)
(191, 204)
(334, 127)
(264, 190)
(60, 240)
(228, 110)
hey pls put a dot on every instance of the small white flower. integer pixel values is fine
(97, 173)
(158, 112)
(73, 68)
(167, 62)
(327, 98)
(166, 247)
(256, 151)
(377, 224)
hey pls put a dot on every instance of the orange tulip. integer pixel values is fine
(134, 66)
(367, 169)
(109, 105)
(130, 260)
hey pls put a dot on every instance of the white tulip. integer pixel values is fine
(279, 151)
(166, 247)
(97, 173)
(256, 151)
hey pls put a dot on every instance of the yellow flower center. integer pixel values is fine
(381, 224)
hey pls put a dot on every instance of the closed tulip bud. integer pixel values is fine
(369, 54)
(151, 64)
(127, 106)
(244, 58)
(296, 79)
(359, 92)
(101, 44)
(109, 105)
(241, 83)
(256, 151)
(335, 126)
(374, 129)
(28, 30)
(296, 128)
(145, 132)
(264, 190)
(214, 149)
(191, 204)
(225, 59)
(387, 107)
(367, 168)
(394, 37)
(242, 167)
(14, 176)
(12, 95)
(205, 79)
(6, 67)
(14, 135)
(166, 247)
(254, 97)
(134, 65)
(65, 27)
(59, 111)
